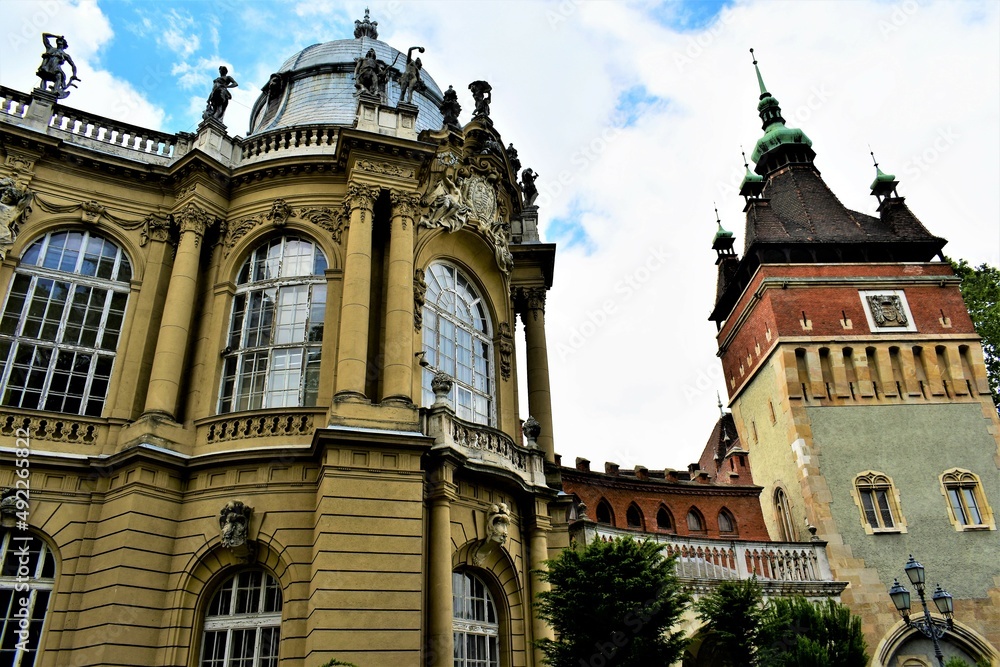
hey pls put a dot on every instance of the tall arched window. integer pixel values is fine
(696, 524)
(39, 578)
(784, 515)
(242, 623)
(633, 515)
(458, 341)
(663, 519)
(276, 332)
(966, 501)
(60, 326)
(475, 622)
(727, 523)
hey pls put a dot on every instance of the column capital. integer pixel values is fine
(193, 218)
(529, 299)
(360, 196)
(404, 203)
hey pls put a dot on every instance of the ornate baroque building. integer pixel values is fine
(268, 384)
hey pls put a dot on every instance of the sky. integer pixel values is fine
(634, 115)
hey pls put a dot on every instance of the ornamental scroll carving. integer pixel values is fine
(331, 220)
(419, 298)
(385, 168)
(506, 350)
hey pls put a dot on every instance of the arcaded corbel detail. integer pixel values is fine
(419, 298)
(234, 528)
(506, 345)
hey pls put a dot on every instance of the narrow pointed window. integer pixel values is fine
(634, 517)
(784, 516)
(604, 513)
(695, 523)
(727, 523)
(663, 519)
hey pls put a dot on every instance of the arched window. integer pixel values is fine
(966, 502)
(784, 516)
(663, 519)
(695, 523)
(272, 355)
(19, 602)
(458, 341)
(242, 623)
(604, 513)
(475, 622)
(877, 500)
(727, 523)
(60, 326)
(634, 517)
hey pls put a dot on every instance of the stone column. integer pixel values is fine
(178, 311)
(539, 553)
(352, 351)
(398, 385)
(440, 640)
(539, 398)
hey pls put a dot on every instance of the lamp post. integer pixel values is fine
(926, 625)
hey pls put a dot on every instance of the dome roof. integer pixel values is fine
(317, 87)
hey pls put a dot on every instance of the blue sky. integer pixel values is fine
(633, 113)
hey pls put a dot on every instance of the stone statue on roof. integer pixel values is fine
(219, 98)
(450, 108)
(528, 188)
(50, 71)
(410, 80)
(370, 74)
(482, 93)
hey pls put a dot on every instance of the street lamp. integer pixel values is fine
(929, 627)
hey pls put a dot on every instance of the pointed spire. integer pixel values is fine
(752, 184)
(760, 79)
(366, 28)
(884, 185)
(722, 242)
(718, 397)
(778, 139)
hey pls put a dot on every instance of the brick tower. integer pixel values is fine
(857, 384)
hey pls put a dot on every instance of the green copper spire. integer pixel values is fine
(776, 135)
(884, 184)
(723, 237)
(752, 184)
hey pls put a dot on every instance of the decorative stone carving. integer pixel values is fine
(498, 523)
(887, 310)
(419, 298)
(404, 205)
(512, 156)
(450, 108)
(50, 71)
(8, 508)
(441, 385)
(385, 168)
(360, 196)
(528, 177)
(335, 222)
(91, 211)
(234, 525)
(531, 429)
(481, 196)
(279, 213)
(154, 228)
(410, 80)
(506, 350)
(468, 436)
(447, 205)
(370, 74)
(219, 98)
(193, 218)
(366, 28)
(529, 299)
(15, 207)
(482, 93)
(21, 164)
(260, 426)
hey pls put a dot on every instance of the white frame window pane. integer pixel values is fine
(457, 340)
(41, 580)
(61, 323)
(475, 624)
(276, 328)
(964, 498)
(242, 623)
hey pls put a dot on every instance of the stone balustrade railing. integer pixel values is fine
(305, 139)
(700, 558)
(284, 423)
(13, 103)
(483, 445)
(104, 130)
(52, 428)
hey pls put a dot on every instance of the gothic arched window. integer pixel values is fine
(663, 519)
(60, 326)
(633, 515)
(475, 622)
(727, 523)
(272, 355)
(878, 501)
(966, 501)
(20, 603)
(696, 524)
(242, 623)
(458, 341)
(605, 513)
(784, 515)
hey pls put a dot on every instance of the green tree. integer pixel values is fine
(612, 603)
(981, 292)
(798, 633)
(958, 662)
(732, 614)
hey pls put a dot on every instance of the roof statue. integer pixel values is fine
(528, 177)
(450, 108)
(219, 98)
(482, 93)
(410, 80)
(50, 71)
(370, 74)
(366, 28)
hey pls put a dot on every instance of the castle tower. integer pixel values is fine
(269, 383)
(857, 384)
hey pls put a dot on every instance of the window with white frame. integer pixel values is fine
(877, 499)
(457, 341)
(965, 499)
(475, 623)
(272, 358)
(61, 323)
(24, 558)
(242, 623)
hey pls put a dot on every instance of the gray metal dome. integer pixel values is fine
(317, 88)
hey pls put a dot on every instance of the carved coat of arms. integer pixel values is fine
(887, 310)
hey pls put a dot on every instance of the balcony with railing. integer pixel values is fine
(782, 568)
